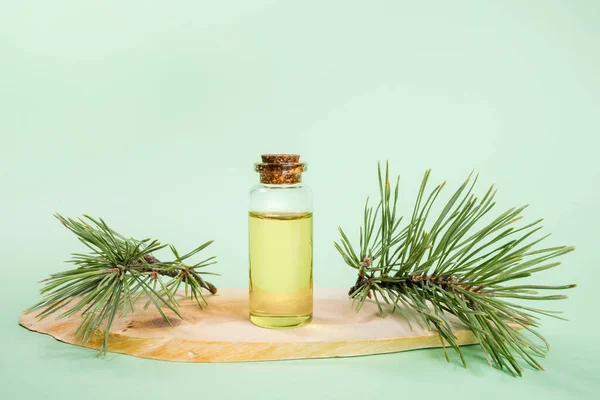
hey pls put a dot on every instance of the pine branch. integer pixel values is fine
(456, 264)
(108, 281)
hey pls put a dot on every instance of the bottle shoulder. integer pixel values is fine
(280, 189)
(280, 198)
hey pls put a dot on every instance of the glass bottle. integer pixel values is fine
(280, 244)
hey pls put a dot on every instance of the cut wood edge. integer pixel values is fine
(222, 351)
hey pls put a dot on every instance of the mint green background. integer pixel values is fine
(151, 114)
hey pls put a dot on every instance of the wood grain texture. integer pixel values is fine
(223, 333)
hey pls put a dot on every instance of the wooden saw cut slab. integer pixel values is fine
(223, 333)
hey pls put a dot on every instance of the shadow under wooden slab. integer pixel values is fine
(223, 333)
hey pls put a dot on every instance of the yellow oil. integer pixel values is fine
(281, 285)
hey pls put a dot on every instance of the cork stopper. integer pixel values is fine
(280, 169)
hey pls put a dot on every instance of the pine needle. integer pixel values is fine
(429, 270)
(106, 283)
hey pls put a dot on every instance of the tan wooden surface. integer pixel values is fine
(223, 333)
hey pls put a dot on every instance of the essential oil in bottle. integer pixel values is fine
(280, 244)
